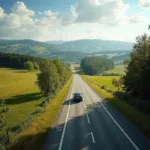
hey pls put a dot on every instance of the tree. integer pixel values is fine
(117, 83)
(95, 66)
(28, 65)
(36, 66)
(138, 70)
(126, 61)
(48, 80)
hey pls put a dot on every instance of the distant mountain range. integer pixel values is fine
(55, 42)
(94, 45)
(67, 51)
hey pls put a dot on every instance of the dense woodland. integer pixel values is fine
(95, 66)
(137, 79)
(12, 60)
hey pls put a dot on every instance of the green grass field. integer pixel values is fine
(33, 137)
(118, 69)
(22, 96)
(103, 80)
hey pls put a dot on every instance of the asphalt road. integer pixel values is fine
(92, 125)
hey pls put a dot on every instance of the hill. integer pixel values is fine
(94, 45)
(71, 51)
(55, 42)
(31, 47)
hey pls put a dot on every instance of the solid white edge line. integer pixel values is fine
(88, 118)
(64, 129)
(121, 129)
(126, 135)
(92, 137)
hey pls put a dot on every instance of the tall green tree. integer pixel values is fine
(28, 65)
(36, 66)
(138, 70)
(117, 83)
(48, 79)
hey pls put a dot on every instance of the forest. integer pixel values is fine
(95, 66)
(17, 61)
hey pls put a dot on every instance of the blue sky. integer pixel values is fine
(40, 5)
(46, 20)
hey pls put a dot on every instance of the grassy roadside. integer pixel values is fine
(33, 137)
(141, 120)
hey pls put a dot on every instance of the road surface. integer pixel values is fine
(92, 125)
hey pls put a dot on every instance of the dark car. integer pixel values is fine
(77, 97)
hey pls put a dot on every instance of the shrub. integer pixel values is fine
(28, 65)
(103, 87)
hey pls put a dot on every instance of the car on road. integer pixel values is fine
(77, 97)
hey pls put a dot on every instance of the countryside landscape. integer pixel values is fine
(73, 78)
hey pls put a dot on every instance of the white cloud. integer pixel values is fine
(137, 18)
(108, 12)
(20, 9)
(144, 4)
(97, 17)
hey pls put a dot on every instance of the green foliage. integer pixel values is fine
(53, 75)
(95, 66)
(126, 61)
(28, 65)
(117, 83)
(12, 60)
(36, 66)
(137, 79)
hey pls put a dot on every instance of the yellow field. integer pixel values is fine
(118, 69)
(103, 80)
(22, 96)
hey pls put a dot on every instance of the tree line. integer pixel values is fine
(53, 73)
(95, 66)
(17, 61)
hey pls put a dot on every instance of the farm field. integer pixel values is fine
(118, 69)
(22, 96)
(103, 80)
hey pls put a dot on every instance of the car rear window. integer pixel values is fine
(77, 94)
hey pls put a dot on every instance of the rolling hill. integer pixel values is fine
(30, 47)
(95, 45)
(70, 51)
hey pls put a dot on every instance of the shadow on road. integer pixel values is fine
(77, 134)
(70, 102)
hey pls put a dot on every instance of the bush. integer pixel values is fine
(142, 105)
(109, 90)
(28, 65)
(111, 74)
(103, 87)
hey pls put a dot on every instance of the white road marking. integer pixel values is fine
(92, 137)
(64, 129)
(84, 106)
(126, 135)
(88, 118)
(121, 129)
